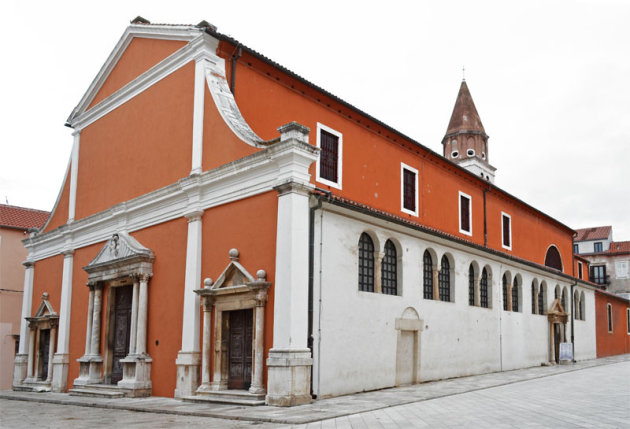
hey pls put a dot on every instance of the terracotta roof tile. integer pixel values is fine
(619, 247)
(20, 217)
(594, 233)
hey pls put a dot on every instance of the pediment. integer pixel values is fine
(120, 247)
(45, 308)
(234, 274)
(557, 308)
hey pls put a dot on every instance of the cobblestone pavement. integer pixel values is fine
(587, 394)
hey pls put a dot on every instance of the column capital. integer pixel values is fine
(194, 215)
(208, 303)
(67, 253)
(28, 264)
(291, 187)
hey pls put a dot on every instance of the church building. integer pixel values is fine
(228, 231)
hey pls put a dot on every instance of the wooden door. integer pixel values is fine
(556, 341)
(240, 349)
(122, 324)
(44, 349)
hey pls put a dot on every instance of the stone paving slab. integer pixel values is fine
(324, 408)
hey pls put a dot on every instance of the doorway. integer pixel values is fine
(557, 339)
(44, 350)
(122, 323)
(240, 349)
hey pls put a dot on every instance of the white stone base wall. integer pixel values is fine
(355, 339)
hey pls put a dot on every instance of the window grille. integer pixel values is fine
(388, 270)
(328, 156)
(483, 289)
(564, 299)
(533, 298)
(505, 293)
(444, 280)
(541, 300)
(366, 263)
(515, 287)
(428, 275)
(471, 285)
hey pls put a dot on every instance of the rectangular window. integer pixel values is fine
(330, 144)
(576, 249)
(465, 216)
(408, 189)
(580, 270)
(598, 274)
(597, 247)
(506, 231)
(609, 313)
(628, 320)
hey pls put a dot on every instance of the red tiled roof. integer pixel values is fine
(619, 247)
(20, 217)
(594, 233)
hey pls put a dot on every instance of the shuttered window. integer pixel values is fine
(507, 231)
(328, 156)
(464, 214)
(409, 190)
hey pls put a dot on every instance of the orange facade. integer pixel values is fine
(612, 324)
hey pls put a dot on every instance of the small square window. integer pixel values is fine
(465, 215)
(408, 189)
(597, 247)
(329, 163)
(506, 231)
(576, 249)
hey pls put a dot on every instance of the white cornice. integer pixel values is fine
(287, 160)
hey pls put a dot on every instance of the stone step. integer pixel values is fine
(98, 391)
(235, 397)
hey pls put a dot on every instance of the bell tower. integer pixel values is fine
(466, 141)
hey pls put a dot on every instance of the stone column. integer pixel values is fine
(21, 359)
(31, 354)
(552, 359)
(134, 317)
(477, 293)
(188, 357)
(61, 359)
(90, 316)
(378, 279)
(259, 335)
(206, 345)
(51, 353)
(218, 381)
(509, 297)
(436, 284)
(143, 298)
(95, 341)
(289, 363)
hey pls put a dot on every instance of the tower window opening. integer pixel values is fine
(454, 154)
(470, 152)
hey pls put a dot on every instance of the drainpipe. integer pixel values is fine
(572, 298)
(311, 262)
(233, 68)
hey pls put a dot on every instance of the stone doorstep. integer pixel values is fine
(32, 387)
(99, 391)
(234, 397)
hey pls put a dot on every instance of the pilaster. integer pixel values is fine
(74, 169)
(21, 359)
(60, 360)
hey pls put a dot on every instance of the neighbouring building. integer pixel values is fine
(15, 223)
(613, 324)
(609, 260)
(228, 231)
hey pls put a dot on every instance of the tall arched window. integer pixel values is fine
(515, 303)
(471, 285)
(576, 305)
(533, 297)
(444, 280)
(428, 275)
(366, 263)
(564, 299)
(505, 293)
(582, 307)
(483, 289)
(541, 299)
(389, 281)
(552, 258)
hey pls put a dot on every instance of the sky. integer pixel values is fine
(549, 79)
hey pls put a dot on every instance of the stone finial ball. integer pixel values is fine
(207, 283)
(233, 253)
(261, 274)
(45, 296)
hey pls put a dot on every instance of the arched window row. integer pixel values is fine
(511, 293)
(479, 285)
(579, 305)
(437, 280)
(384, 280)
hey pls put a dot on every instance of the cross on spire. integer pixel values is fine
(463, 74)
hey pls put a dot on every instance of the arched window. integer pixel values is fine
(483, 289)
(556, 292)
(471, 285)
(428, 275)
(576, 305)
(564, 299)
(505, 293)
(444, 280)
(366, 263)
(552, 259)
(515, 286)
(389, 281)
(582, 307)
(533, 297)
(541, 299)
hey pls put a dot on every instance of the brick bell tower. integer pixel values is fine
(466, 141)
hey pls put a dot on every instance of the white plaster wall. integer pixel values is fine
(585, 344)
(354, 332)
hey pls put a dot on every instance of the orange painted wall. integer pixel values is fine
(140, 56)
(617, 342)
(47, 278)
(372, 156)
(250, 227)
(60, 215)
(141, 146)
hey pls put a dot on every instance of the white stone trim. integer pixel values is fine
(339, 135)
(27, 302)
(63, 341)
(192, 282)
(243, 178)
(404, 167)
(74, 170)
(459, 213)
(198, 114)
(505, 215)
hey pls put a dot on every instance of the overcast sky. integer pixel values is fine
(550, 80)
